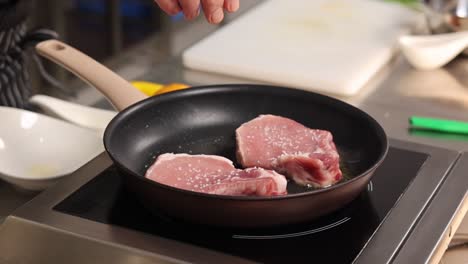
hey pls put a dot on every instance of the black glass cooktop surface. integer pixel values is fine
(336, 238)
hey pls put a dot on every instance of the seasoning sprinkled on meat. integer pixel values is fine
(215, 175)
(307, 156)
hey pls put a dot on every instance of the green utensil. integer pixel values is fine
(442, 125)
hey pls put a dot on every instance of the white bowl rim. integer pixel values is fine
(4, 175)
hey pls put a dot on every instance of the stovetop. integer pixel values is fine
(94, 208)
(104, 200)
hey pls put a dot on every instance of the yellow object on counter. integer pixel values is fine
(152, 89)
(172, 87)
(147, 88)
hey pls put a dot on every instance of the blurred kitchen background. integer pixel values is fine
(100, 28)
(106, 30)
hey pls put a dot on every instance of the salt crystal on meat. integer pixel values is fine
(215, 175)
(308, 156)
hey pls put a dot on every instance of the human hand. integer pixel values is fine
(213, 9)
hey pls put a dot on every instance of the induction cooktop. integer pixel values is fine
(94, 207)
(105, 200)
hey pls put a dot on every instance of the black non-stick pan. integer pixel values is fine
(202, 120)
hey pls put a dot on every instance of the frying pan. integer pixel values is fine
(203, 120)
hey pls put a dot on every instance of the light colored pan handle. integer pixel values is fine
(119, 92)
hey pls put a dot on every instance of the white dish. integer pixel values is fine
(37, 150)
(433, 51)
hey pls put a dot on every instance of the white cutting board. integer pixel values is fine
(334, 46)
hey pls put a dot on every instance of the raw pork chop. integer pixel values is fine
(215, 175)
(308, 156)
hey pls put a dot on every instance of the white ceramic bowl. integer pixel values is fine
(37, 150)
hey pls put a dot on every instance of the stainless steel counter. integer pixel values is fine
(394, 95)
(43, 220)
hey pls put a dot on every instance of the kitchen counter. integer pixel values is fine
(397, 92)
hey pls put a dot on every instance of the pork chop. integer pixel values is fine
(215, 175)
(307, 156)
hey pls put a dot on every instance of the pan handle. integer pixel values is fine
(117, 90)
